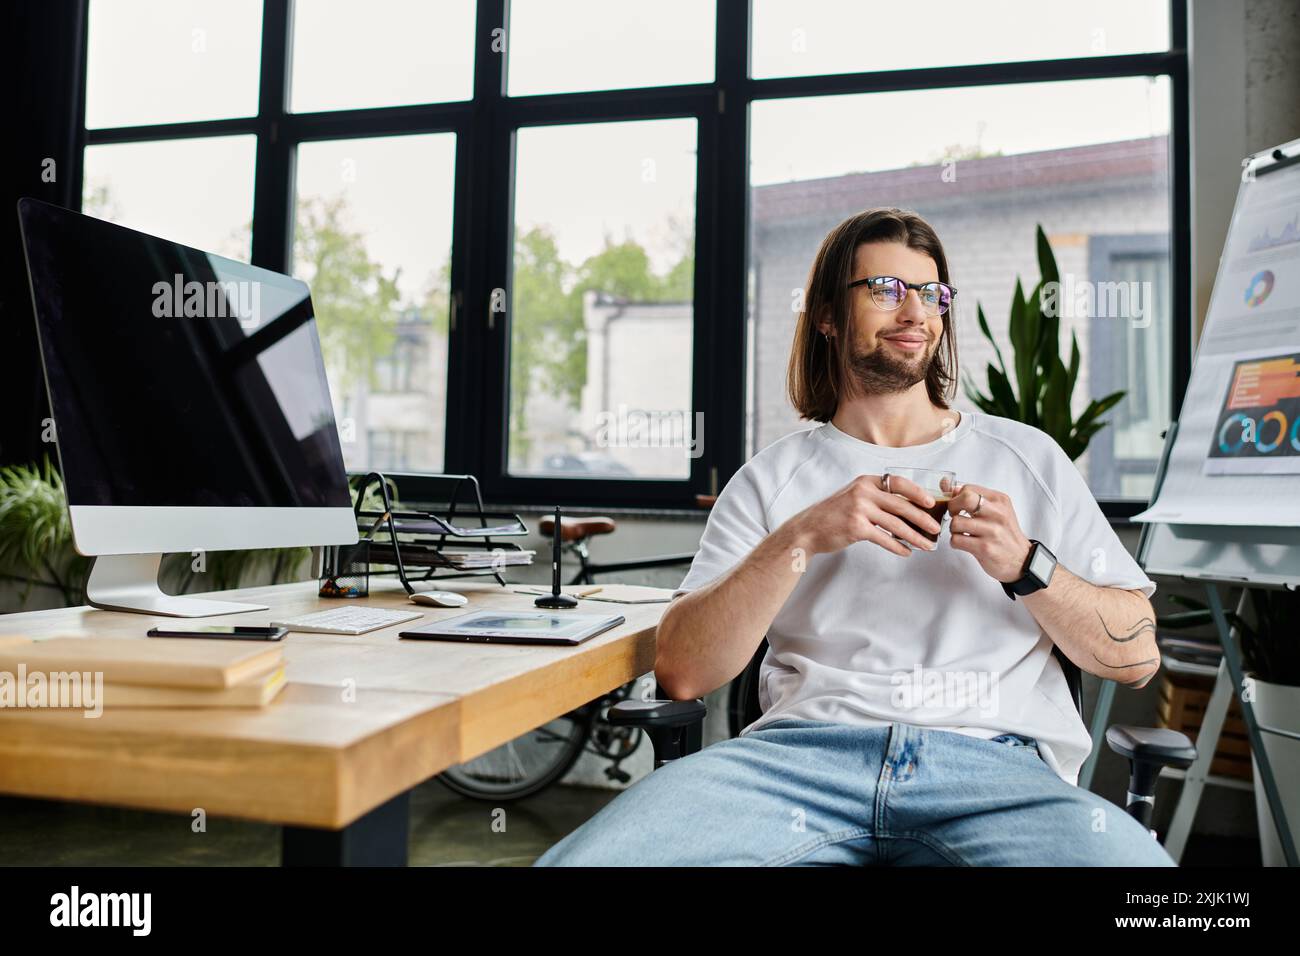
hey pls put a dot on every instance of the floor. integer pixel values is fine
(446, 830)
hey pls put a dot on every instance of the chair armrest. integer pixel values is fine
(675, 727)
(1148, 750)
(657, 713)
(1152, 745)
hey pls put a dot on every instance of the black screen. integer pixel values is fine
(177, 377)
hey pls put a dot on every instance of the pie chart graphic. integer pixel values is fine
(1261, 284)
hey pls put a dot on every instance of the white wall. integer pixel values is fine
(1244, 79)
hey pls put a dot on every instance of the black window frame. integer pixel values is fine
(482, 219)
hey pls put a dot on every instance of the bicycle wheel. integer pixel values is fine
(527, 764)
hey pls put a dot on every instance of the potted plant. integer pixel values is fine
(1271, 660)
(37, 553)
(1045, 384)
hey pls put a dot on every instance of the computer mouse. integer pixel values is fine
(439, 598)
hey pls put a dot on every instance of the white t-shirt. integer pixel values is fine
(869, 638)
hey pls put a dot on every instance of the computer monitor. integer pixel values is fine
(189, 401)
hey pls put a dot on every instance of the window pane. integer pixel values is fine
(349, 55)
(602, 300)
(373, 239)
(195, 191)
(808, 37)
(1132, 359)
(1086, 159)
(171, 61)
(568, 46)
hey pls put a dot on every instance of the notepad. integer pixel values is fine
(611, 593)
(257, 691)
(154, 662)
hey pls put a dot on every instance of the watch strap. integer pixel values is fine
(1026, 583)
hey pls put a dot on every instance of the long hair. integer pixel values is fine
(820, 373)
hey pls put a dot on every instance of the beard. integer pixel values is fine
(880, 371)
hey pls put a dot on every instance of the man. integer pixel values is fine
(913, 712)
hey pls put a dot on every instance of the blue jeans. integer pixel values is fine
(809, 792)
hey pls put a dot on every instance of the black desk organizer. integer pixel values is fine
(410, 544)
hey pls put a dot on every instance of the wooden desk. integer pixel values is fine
(333, 759)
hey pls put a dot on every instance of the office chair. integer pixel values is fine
(676, 729)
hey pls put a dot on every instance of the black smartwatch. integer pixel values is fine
(1036, 574)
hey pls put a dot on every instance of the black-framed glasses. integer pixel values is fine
(888, 292)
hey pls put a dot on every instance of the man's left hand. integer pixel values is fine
(989, 530)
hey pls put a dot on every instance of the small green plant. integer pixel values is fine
(1045, 383)
(226, 570)
(35, 534)
(36, 546)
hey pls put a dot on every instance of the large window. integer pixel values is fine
(349, 55)
(985, 165)
(568, 46)
(602, 277)
(195, 191)
(171, 61)
(372, 237)
(221, 160)
(802, 37)
(556, 243)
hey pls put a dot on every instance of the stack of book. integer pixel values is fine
(153, 672)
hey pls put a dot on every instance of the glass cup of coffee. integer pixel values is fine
(940, 485)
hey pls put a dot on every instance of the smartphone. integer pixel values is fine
(221, 631)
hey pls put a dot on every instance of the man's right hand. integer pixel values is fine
(858, 512)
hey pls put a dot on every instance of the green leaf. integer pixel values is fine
(1046, 258)
(1056, 403)
(984, 327)
(1043, 388)
(1049, 329)
(1024, 344)
(1098, 407)
(1073, 375)
(1003, 396)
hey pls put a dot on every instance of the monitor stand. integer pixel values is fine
(129, 582)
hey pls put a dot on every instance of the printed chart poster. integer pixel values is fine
(1258, 428)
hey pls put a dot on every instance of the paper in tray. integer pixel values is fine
(432, 524)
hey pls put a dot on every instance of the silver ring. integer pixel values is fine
(885, 482)
(979, 504)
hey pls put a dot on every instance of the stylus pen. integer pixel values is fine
(555, 554)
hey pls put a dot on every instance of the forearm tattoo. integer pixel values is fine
(1141, 626)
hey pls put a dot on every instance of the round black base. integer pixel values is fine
(557, 602)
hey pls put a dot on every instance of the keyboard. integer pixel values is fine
(346, 620)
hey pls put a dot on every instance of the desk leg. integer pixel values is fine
(380, 838)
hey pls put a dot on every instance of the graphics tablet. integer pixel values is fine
(516, 627)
